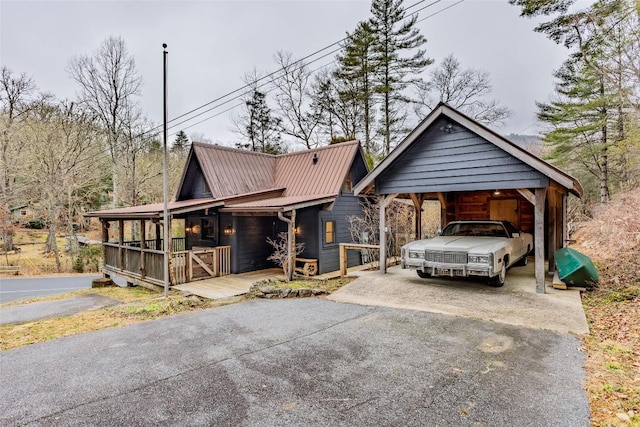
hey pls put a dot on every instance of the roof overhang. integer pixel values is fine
(280, 204)
(367, 184)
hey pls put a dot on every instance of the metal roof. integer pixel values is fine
(243, 180)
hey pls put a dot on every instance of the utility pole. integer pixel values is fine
(165, 231)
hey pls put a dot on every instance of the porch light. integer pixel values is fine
(496, 193)
(298, 230)
(228, 231)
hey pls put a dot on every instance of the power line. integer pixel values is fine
(284, 69)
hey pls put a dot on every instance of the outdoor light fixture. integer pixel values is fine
(496, 193)
(298, 230)
(228, 231)
(447, 128)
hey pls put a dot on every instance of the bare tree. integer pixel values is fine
(280, 253)
(465, 89)
(59, 153)
(109, 84)
(294, 97)
(16, 98)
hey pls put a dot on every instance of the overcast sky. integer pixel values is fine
(212, 43)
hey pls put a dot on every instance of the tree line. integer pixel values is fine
(372, 92)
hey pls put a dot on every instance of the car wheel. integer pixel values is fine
(498, 281)
(423, 274)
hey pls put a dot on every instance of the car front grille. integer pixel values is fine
(446, 257)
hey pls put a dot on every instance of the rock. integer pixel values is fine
(317, 291)
(305, 292)
(268, 289)
(284, 292)
(103, 282)
(293, 293)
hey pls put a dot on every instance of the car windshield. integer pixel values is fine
(486, 229)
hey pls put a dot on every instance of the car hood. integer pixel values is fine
(458, 244)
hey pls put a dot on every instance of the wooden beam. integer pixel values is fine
(120, 244)
(442, 197)
(541, 195)
(553, 227)
(343, 260)
(418, 199)
(527, 194)
(384, 202)
(143, 246)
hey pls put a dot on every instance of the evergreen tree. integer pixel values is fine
(397, 59)
(356, 73)
(181, 144)
(260, 127)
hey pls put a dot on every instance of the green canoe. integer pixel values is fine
(575, 268)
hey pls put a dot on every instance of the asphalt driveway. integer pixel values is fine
(299, 362)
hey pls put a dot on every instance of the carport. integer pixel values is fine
(474, 173)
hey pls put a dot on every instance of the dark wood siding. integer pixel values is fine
(456, 161)
(193, 182)
(251, 238)
(344, 206)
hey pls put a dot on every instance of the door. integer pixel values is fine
(504, 210)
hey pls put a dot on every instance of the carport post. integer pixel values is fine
(541, 195)
(384, 202)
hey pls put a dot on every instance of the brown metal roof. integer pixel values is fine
(230, 171)
(300, 175)
(244, 180)
(283, 204)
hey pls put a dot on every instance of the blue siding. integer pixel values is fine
(251, 238)
(329, 259)
(456, 161)
(193, 182)
(307, 220)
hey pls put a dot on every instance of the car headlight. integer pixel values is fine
(418, 255)
(479, 259)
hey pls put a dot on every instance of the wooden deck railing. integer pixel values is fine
(343, 253)
(186, 266)
(200, 263)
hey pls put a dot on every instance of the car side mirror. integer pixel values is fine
(515, 234)
(438, 233)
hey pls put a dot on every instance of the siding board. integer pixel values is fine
(456, 161)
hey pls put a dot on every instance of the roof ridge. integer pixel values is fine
(324, 147)
(232, 149)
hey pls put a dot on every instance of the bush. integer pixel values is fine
(88, 259)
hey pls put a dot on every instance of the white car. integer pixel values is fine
(470, 248)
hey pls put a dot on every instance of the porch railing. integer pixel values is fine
(147, 264)
(200, 263)
(177, 244)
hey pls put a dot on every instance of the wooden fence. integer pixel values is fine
(200, 263)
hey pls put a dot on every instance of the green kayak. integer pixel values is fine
(575, 268)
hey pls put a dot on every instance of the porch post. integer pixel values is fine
(552, 234)
(418, 199)
(105, 239)
(541, 194)
(120, 244)
(143, 247)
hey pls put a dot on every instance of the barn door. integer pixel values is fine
(504, 210)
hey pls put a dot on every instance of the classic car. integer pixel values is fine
(470, 248)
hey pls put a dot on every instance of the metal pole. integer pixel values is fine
(165, 234)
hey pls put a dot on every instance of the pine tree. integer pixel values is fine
(181, 144)
(397, 59)
(356, 72)
(260, 127)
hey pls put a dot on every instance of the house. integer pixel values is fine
(475, 173)
(230, 201)
(22, 214)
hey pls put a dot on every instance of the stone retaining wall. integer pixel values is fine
(266, 289)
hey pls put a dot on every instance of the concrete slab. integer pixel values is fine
(46, 309)
(516, 303)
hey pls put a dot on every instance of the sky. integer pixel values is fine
(212, 43)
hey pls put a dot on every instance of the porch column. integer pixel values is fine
(384, 202)
(105, 239)
(143, 247)
(418, 199)
(553, 227)
(121, 244)
(541, 194)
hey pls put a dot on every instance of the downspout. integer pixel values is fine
(291, 241)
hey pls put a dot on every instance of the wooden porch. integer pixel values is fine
(142, 262)
(229, 285)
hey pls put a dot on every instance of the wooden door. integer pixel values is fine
(504, 210)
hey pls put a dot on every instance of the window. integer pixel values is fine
(205, 186)
(346, 185)
(329, 232)
(209, 228)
